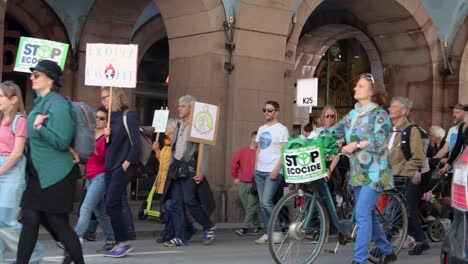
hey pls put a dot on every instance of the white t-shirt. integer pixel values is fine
(269, 139)
(452, 137)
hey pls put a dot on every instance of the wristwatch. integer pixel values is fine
(358, 145)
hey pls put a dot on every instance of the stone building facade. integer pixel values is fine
(240, 53)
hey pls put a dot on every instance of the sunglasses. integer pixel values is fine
(269, 110)
(329, 116)
(101, 118)
(35, 75)
(370, 77)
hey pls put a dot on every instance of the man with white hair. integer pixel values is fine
(411, 168)
(437, 137)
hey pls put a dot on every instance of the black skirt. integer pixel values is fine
(57, 198)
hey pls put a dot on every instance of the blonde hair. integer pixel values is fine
(322, 116)
(10, 89)
(119, 98)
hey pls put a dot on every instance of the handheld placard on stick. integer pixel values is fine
(200, 158)
(157, 134)
(110, 111)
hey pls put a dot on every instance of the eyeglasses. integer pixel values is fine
(269, 110)
(329, 116)
(104, 97)
(101, 118)
(370, 77)
(36, 75)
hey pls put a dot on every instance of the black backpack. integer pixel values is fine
(405, 140)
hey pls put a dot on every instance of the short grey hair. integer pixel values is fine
(187, 99)
(437, 131)
(405, 102)
(171, 122)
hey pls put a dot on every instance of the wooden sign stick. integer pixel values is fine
(109, 110)
(200, 158)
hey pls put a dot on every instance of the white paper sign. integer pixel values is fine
(160, 120)
(204, 123)
(112, 65)
(307, 92)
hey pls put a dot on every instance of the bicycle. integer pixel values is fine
(307, 223)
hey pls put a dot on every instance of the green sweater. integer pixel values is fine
(49, 145)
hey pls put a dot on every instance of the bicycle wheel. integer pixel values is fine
(298, 228)
(392, 213)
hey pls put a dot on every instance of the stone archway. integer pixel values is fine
(463, 89)
(45, 26)
(406, 41)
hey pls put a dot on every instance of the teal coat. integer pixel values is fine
(49, 145)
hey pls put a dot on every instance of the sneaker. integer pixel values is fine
(241, 231)
(257, 230)
(383, 259)
(108, 246)
(175, 242)
(419, 249)
(277, 237)
(262, 240)
(89, 237)
(131, 236)
(208, 235)
(118, 251)
(409, 242)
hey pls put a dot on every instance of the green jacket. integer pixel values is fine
(49, 145)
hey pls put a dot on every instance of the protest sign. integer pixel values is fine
(33, 50)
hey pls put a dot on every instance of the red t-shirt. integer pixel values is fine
(243, 165)
(96, 162)
(7, 139)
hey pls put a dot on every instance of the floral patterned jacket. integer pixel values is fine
(370, 166)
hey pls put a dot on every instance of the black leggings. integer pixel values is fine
(57, 225)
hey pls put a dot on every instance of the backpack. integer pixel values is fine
(83, 116)
(405, 140)
(146, 146)
(15, 120)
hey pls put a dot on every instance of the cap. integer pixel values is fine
(463, 107)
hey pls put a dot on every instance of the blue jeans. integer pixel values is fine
(183, 195)
(267, 189)
(94, 201)
(169, 226)
(368, 224)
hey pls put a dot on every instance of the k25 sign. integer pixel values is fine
(304, 164)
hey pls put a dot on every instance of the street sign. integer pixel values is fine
(33, 50)
(307, 92)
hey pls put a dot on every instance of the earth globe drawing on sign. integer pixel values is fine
(203, 121)
(303, 159)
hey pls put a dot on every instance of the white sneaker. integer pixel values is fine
(262, 240)
(277, 237)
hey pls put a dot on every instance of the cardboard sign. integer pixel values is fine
(111, 65)
(307, 92)
(33, 50)
(304, 164)
(160, 120)
(204, 124)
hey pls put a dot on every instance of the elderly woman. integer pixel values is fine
(366, 129)
(48, 198)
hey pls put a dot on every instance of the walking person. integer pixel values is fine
(94, 201)
(50, 189)
(13, 136)
(366, 129)
(268, 174)
(242, 171)
(414, 171)
(184, 179)
(121, 164)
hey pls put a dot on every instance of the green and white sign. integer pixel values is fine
(304, 164)
(33, 50)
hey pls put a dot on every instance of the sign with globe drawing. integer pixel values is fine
(304, 164)
(33, 50)
(204, 123)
